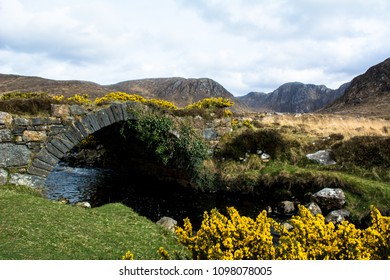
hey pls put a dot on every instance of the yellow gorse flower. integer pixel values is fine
(239, 237)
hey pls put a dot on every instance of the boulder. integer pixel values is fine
(329, 198)
(167, 223)
(337, 216)
(313, 208)
(322, 157)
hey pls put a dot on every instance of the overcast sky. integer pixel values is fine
(245, 45)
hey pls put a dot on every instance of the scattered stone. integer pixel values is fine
(3, 177)
(287, 226)
(322, 157)
(83, 204)
(63, 200)
(337, 216)
(313, 208)
(167, 223)
(265, 157)
(329, 199)
(286, 207)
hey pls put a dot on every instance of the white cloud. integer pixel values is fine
(252, 45)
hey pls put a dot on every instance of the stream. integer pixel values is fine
(152, 199)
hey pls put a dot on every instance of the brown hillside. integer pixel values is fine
(368, 94)
(13, 83)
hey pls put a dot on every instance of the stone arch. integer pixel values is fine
(55, 149)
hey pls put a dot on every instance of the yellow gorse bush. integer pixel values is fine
(212, 102)
(119, 96)
(80, 99)
(123, 97)
(239, 237)
(377, 236)
(58, 97)
(229, 238)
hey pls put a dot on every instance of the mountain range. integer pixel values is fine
(293, 97)
(367, 94)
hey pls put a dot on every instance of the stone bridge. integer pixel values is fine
(31, 147)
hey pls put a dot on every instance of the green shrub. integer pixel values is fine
(252, 141)
(364, 151)
(24, 95)
(176, 145)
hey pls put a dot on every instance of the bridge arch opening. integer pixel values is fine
(135, 176)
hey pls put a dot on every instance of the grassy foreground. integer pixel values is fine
(34, 228)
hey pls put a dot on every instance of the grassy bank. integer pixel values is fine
(32, 227)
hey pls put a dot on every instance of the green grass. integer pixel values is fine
(360, 192)
(32, 227)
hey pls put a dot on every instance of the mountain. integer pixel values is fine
(367, 95)
(178, 90)
(10, 83)
(293, 98)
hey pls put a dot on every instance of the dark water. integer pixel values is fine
(150, 198)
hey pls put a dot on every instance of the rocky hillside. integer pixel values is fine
(10, 83)
(293, 98)
(368, 94)
(178, 90)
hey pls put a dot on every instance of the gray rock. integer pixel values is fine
(26, 180)
(6, 135)
(313, 208)
(60, 111)
(83, 204)
(5, 119)
(210, 134)
(322, 157)
(337, 216)
(287, 226)
(329, 199)
(286, 207)
(13, 155)
(265, 157)
(63, 200)
(3, 177)
(167, 223)
(77, 110)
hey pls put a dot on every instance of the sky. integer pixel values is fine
(245, 45)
